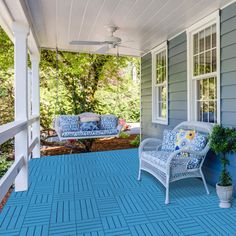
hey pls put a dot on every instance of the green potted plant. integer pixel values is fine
(223, 142)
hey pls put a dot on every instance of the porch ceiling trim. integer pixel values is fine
(7, 17)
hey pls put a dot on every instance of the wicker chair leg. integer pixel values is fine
(167, 190)
(139, 174)
(204, 182)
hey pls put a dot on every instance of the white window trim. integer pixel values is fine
(156, 50)
(207, 21)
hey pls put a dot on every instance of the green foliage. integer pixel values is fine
(223, 142)
(84, 82)
(6, 79)
(136, 141)
(87, 82)
(123, 135)
(4, 164)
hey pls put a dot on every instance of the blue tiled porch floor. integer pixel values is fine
(98, 194)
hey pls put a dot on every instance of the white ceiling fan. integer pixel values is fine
(110, 41)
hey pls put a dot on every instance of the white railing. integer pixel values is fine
(33, 144)
(7, 180)
(7, 132)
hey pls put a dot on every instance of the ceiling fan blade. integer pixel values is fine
(123, 46)
(103, 49)
(86, 42)
(127, 41)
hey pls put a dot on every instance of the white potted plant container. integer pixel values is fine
(223, 142)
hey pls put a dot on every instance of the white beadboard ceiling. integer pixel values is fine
(146, 23)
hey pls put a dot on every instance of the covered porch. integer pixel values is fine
(98, 194)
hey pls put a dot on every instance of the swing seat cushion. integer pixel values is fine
(91, 133)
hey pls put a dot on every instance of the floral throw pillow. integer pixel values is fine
(190, 139)
(89, 126)
(169, 140)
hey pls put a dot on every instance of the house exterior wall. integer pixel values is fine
(177, 91)
(177, 88)
(212, 164)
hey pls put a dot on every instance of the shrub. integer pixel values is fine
(123, 135)
(4, 164)
(136, 141)
(223, 142)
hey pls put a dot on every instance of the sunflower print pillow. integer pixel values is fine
(190, 139)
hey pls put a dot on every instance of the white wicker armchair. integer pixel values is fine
(168, 167)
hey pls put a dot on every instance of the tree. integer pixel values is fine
(83, 82)
(6, 78)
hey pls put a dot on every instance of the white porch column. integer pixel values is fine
(21, 100)
(35, 88)
(29, 106)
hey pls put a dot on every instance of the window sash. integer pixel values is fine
(159, 78)
(204, 51)
(209, 102)
(212, 46)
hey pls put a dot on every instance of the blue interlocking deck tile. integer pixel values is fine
(97, 194)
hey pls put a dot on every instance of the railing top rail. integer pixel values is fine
(9, 130)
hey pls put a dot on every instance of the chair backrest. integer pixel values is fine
(201, 127)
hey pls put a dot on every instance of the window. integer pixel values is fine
(160, 85)
(203, 65)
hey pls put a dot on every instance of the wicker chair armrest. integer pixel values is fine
(153, 143)
(185, 160)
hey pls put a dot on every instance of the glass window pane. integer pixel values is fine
(208, 62)
(205, 89)
(161, 67)
(195, 44)
(161, 74)
(160, 94)
(215, 113)
(202, 64)
(213, 60)
(196, 65)
(157, 68)
(200, 111)
(163, 111)
(212, 111)
(162, 101)
(212, 88)
(164, 58)
(207, 38)
(214, 36)
(164, 74)
(200, 90)
(163, 94)
(159, 109)
(205, 112)
(201, 41)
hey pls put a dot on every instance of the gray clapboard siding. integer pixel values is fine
(178, 88)
(177, 60)
(228, 89)
(228, 78)
(228, 65)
